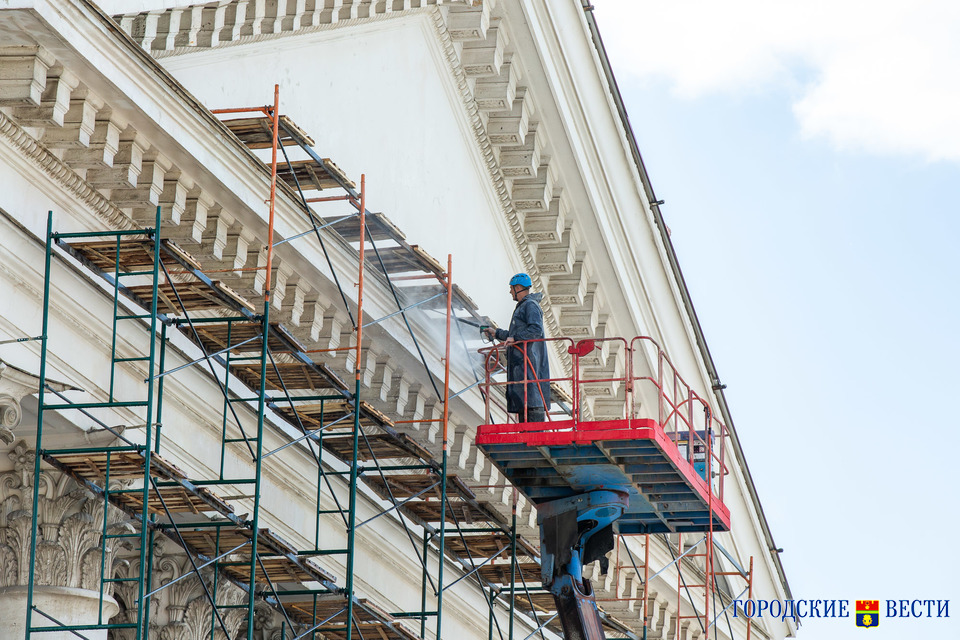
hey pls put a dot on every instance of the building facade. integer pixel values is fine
(491, 132)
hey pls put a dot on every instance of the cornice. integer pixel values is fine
(30, 149)
(495, 172)
(268, 37)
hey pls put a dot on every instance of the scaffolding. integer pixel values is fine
(268, 381)
(265, 376)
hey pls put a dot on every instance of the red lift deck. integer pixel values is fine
(647, 457)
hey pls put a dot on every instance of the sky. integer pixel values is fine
(809, 159)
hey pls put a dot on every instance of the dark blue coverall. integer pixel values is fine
(527, 324)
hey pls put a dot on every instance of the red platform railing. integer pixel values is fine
(684, 416)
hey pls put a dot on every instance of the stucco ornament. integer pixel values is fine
(23, 461)
(180, 607)
(70, 522)
(15, 383)
(10, 416)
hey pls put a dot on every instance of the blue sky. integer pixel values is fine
(810, 164)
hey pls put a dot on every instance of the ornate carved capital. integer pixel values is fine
(181, 608)
(70, 525)
(70, 544)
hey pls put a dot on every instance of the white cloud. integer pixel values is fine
(881, 76)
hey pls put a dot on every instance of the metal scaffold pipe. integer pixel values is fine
(36, 462)
(352, 517)
(262, 399)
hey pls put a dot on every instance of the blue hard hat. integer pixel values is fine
(521, 279)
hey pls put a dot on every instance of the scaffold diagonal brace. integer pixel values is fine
(310, 231)
(308, 434)
(477, 567)
(405, 309)
(678, 558)
(56, 622)
(398, 504)
(196, 570)
(198, 360)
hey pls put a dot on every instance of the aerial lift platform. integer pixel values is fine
(658, 469)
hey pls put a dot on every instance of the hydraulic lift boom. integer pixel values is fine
(576, 531)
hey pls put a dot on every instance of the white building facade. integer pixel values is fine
(489, 131)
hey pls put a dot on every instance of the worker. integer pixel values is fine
(529, 400)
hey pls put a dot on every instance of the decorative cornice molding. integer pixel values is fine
(495, 173)
(266, 37)
(28, 146)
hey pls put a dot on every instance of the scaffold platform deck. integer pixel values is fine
(552, 460)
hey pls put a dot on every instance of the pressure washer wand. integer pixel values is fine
(470, 322)
(481, 327)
